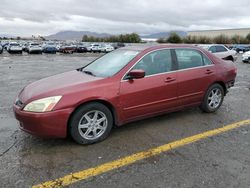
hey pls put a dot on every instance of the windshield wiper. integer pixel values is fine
(88, 72)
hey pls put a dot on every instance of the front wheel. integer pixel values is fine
(91, 123)
(213, 98)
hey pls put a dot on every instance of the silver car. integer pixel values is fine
(221, 51)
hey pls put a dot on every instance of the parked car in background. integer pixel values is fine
(70, 49)
(106, 48)
(221, 51)
(118, 45)
(25, 47)
(5, 45)
(246, 57)
(93, 47)
(50, 48)
(241, 48)
(34, 48)
(14, 47)
(125, 85)
(81, 48)
(1, 49)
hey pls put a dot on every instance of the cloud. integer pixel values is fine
(118, 16)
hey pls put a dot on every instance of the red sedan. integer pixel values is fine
(128, 84)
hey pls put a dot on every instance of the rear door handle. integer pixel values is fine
(169, 79)
(208, 71)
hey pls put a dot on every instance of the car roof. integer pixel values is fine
(150, 47)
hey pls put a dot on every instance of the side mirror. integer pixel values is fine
(136, 74)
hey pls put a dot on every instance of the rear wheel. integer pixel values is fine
(91, 123)
(213, 98)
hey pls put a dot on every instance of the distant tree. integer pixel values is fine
(174, 38)
(135, 38)
(221, 39)
(85, 38)
(161, 40)
(248, 38)
(204, 40)
(237, 39)
(189, 39)
(127, 38)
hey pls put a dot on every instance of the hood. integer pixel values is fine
(55, 85)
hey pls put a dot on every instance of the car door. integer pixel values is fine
(195, 74)
(154, 93)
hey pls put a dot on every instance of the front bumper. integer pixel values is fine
(47, 124)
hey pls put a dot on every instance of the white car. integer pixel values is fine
(93, 48)
(106, 48)
(14, 47)
(34, 48)
(246, 57)
(221, 51)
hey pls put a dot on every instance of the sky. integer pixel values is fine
(34, 17)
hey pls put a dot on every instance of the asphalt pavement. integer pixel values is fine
(219, 161)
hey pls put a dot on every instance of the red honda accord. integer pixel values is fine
(128, 84)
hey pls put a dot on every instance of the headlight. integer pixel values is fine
(42, 105)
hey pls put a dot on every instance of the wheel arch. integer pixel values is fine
(222, 84)
(101, 101)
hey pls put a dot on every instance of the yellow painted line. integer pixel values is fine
(91, 172)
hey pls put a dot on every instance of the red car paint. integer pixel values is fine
(129, 100)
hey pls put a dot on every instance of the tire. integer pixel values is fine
(211, 104)
(87, 117)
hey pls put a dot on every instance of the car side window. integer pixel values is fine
(212, 49)
(188, 58)
(156, 62)
(220, 49)
(206, 60)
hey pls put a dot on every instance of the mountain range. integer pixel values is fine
(77, 35)
(74, 35)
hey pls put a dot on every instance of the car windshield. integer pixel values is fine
(110, 64)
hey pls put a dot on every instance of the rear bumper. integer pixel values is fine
(49, 124)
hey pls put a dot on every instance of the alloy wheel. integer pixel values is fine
(93, 125)
(214, 98)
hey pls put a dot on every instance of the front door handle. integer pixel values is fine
(169, 79)
(208, 71)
